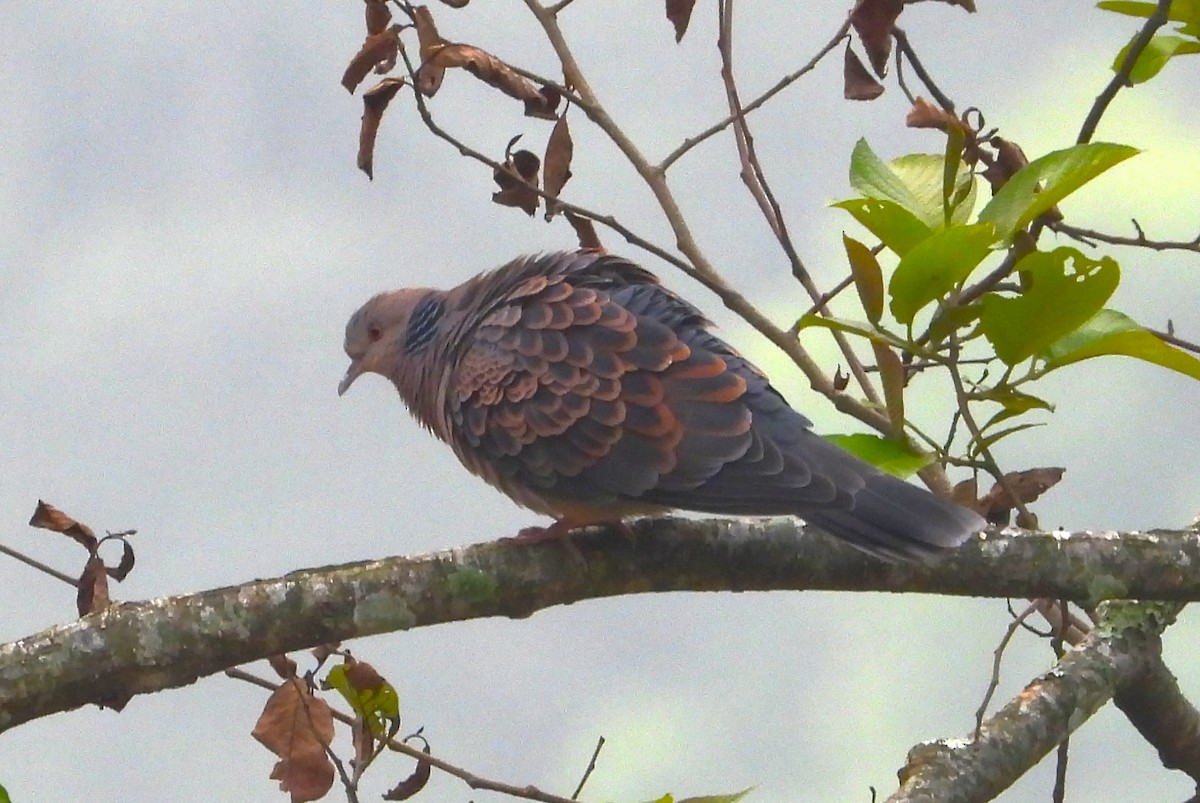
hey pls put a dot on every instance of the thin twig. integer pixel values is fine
(1140, 241)
(587, 773)
(997, 657)
(905, 47)
(37, 564)
(779, 86)
(470, 778)
(756, 182)
(1120, 79)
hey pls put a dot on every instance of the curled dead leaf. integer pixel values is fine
(284, 666)
(378, 53)
(493, 72)
(92, 588)
(559, 150)
(873, 21)
(841, 380)
(429, 77)
(857, 82)
(924, 114)
(378, 16)
(516, 178)
(997, 506)
(375, 101)
(47, 517)
(679, 14)
(415, 782)
(297, 727)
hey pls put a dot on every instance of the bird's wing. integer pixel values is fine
(595, 385)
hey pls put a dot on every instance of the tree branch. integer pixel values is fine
(1033, 723)
(137, 648)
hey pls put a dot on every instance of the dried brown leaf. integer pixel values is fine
(322, 652)
(378, 16)
(841, 380)
(297, 727)
(122, 569)
(491, 70)
(429, 77)
(924, 114)
(679, 13)
(519, 168)
(413, 783)
(857, 83)
(893, 378)
(1008, 160)
(375, 101)
(544, 104)
(48, 517)
(559, 150)
(873, 21)
(284, 666)
(92, 589)
(966, 493)
(378, 53)
(586, 233)
(1028, 485)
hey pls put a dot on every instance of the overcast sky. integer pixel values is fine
(186, 234)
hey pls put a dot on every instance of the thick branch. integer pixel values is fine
(1113, 657)
(136, 648)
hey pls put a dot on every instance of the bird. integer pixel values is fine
(580, 386)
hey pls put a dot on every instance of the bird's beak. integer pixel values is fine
(352, 373)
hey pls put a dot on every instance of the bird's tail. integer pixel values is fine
(894, 519)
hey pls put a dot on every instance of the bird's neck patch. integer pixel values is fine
(422, 325)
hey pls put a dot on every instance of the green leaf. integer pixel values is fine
(936, 266)
(1158, 52)
(1186, 11)
(1054, 302)
(729, 798)
(888, 455)
(868, 277)
(915, 182)
(377, 705)
(4, 798)
(860, 328)
(1013, 400)
(1111, 332)
(895, 226)
(1044, 182)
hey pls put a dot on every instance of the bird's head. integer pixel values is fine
(390, 335)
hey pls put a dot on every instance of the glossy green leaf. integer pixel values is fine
(1186, 11)
(885, 454)
(896, 227)
(914, 182)
(1046, 181)
(1158, 52)
(937, 265)
(1112, 333)
(868, 277)
(1063, 290)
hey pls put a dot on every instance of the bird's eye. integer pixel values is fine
(374, 333)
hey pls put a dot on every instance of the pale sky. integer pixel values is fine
(186, 235)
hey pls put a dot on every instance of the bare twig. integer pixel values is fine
(468, 777)
(37, 564)
(756, 182)
(779, 86)
(1121, 76)
(905, 47)
(587, 773)
(997, 657)
(1091, 236)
